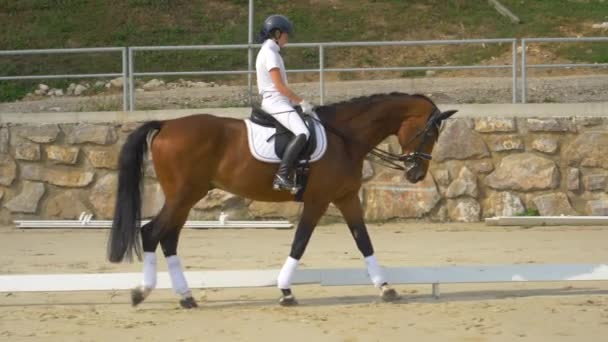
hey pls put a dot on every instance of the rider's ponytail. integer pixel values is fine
(267, 35)
(263, 35)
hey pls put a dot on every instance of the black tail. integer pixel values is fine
(124, 236)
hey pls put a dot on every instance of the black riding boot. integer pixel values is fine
(293, 149)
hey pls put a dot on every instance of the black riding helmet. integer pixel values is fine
(279, 22)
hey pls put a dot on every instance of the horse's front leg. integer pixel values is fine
(350, 207)
(311, 214)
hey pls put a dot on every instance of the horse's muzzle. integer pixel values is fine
(415, 174)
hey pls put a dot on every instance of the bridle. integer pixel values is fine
(389, 159)
(413, 159)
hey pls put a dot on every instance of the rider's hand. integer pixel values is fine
(306, 107)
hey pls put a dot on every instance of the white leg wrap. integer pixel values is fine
(375, 272)
(149, 281)
(178, 280)
(286, 274)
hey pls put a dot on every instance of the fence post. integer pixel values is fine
(514, 71)
(250, 54)
(523, 71)
(131, 81)
(125, 81)
(321, 75)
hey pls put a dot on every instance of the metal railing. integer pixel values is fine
(322, 47)
(133, 73)
(525, 65)
(129, 73)
(123, 74)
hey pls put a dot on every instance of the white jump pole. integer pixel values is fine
(324, 277)
(85, 221)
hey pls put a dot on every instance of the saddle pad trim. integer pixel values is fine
(316, 155)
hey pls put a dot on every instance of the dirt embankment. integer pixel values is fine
(560, 89)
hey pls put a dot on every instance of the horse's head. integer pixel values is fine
(417, 136)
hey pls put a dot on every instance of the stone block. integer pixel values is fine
(524, 171)
(545, 145)
(59, 154)
(40, 134)
(551, 125)
(25, 150)
(106, 158)
(8, 170)
(90, 133)
(491, 125)
(28, 199)
(464, 185)
(554, 204)
(57, 175)
(464, 210)
(459, 141)
(390, 195)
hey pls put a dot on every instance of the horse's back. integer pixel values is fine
(197, 126)
(196, 121)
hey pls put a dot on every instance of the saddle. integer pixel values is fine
(282, 136)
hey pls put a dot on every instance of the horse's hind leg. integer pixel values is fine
(171, 221)
(164, 229)
(178, 279)
(149, 243)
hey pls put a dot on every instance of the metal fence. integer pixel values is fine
(129, 72)
(124, 73)
(525, 65)
(322, 47)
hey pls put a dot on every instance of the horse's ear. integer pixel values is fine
(446, 114)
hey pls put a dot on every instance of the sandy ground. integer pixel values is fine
(485, 312)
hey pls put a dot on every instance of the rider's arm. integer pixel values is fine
(275, 74)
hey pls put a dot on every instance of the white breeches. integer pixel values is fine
(285, 114)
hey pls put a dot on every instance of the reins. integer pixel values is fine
(389, 159)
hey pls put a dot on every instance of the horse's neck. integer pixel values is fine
(374, 125)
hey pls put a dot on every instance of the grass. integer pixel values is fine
(11, 91)
(529, 212)
(564, 18)
(30, 24)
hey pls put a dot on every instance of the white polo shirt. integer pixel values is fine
(269, 58)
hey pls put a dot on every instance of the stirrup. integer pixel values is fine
(280, 184)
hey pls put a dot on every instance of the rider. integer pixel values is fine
(277, 99)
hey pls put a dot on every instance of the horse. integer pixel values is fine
(194, 154)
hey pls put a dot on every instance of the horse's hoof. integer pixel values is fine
(138, 295)
(188, 303)
(288, 300)
(389, 295)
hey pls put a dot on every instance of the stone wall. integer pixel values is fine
(482, 167)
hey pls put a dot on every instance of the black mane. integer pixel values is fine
(330, 109)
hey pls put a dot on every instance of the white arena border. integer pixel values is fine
(324, 277)
(85, 221)
(547, 221)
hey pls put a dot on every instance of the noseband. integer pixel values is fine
(412, 158)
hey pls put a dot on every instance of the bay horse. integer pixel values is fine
(195, 154)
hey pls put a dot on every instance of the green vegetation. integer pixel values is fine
(30, 24)
(529, 212)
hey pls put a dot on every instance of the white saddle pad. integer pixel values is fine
(263, 150)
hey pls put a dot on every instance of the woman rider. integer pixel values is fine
(277, 99)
